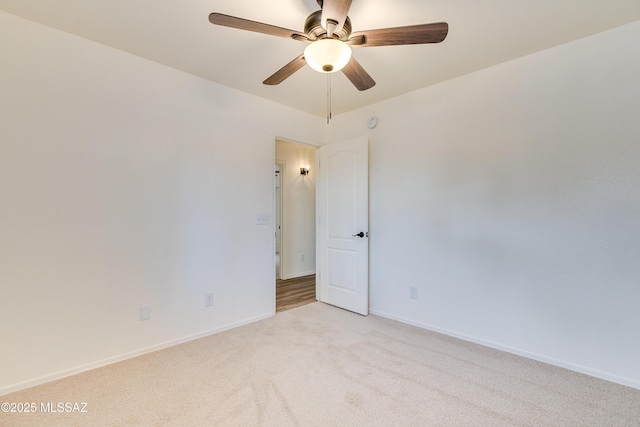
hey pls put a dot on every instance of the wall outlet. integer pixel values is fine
(208, 299)
(145, 312)
(413, 292)
(302, 258)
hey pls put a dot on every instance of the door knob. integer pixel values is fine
(360, 234)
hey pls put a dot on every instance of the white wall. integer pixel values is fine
(115, 192)
(299, 209)
(511, 199)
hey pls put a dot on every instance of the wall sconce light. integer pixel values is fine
(304, 170)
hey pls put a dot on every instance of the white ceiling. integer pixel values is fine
(178, 34)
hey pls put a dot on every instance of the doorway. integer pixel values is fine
(278, 222)
(295, 231)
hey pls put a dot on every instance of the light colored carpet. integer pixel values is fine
(317, 365)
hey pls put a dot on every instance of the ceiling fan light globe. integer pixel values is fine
(327, 55)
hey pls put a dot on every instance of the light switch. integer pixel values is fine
(263, 219)
(145, 312)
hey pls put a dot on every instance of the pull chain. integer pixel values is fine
(328, 97)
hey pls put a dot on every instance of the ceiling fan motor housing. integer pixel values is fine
(314, 30)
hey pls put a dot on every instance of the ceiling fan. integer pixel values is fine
(328, 33)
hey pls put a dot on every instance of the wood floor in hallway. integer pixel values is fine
(295, 292)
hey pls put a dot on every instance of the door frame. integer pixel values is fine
(283, 167)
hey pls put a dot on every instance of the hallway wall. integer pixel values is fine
(299, 209)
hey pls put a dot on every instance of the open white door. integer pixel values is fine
(342, 212)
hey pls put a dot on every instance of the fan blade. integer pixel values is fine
(256, 27)
(412, 34)
(335, 11)
(283, 73)
(358, 76)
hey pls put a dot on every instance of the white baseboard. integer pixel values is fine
(308, 273)
(125, 356)
(534, 356)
